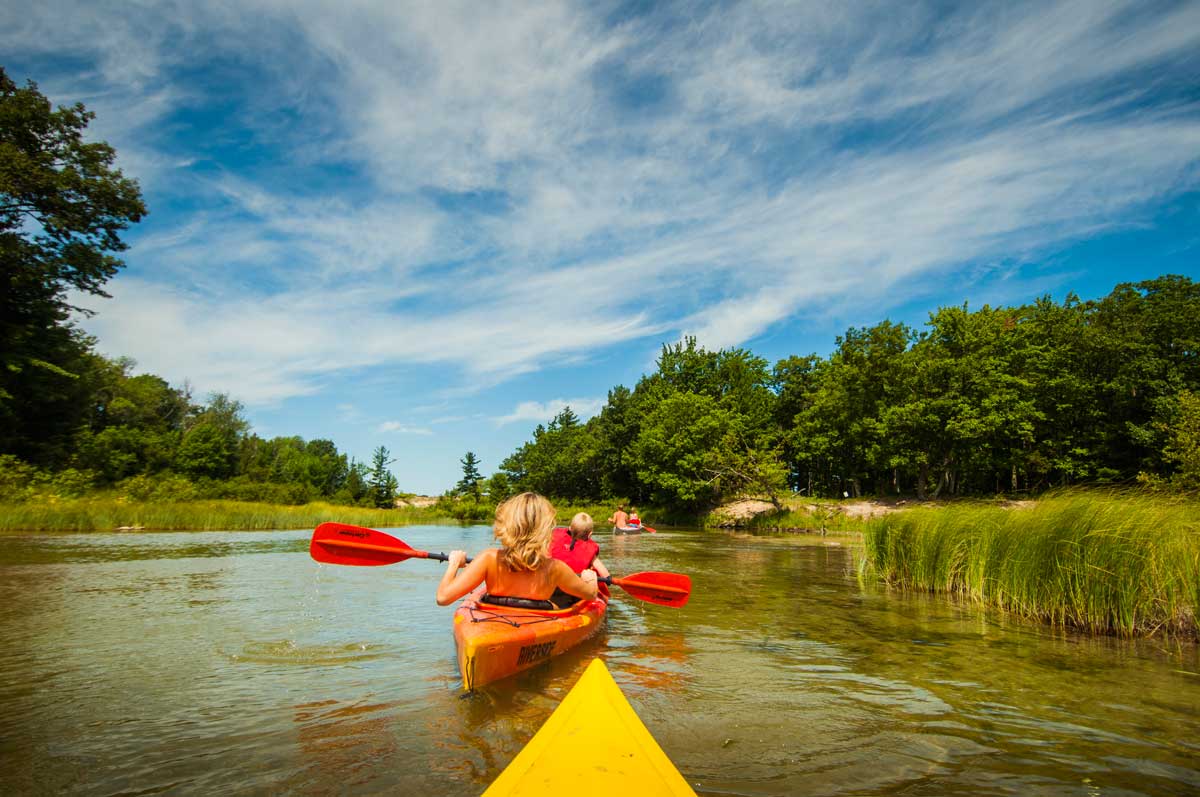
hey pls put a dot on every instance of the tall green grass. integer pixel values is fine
(106, 514)
(1104, 562)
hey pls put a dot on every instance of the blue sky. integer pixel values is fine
(431, 225)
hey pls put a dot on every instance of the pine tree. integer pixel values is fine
(469, 483)
(383, 483)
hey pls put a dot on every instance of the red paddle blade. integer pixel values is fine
(650, 529)
(665, 589)
(341, 544)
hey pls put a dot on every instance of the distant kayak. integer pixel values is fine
(593, 744)
(628, 530)
(495, 642)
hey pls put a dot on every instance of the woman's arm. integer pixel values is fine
(455, 584)
(600, 569)
(581, 586)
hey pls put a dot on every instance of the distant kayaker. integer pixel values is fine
(634, 520)
(619, 518)
(521, 572)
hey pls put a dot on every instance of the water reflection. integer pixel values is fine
(341, 746)
(230, 662)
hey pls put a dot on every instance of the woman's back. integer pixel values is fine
(537, 584)
(522, 568)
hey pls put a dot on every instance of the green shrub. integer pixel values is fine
(69, 483)
(160, 488)
(18, 479)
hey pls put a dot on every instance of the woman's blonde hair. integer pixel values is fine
(523, 526)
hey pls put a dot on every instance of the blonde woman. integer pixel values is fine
(522, 569)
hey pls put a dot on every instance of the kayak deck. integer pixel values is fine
(495, 642)
(593, 744)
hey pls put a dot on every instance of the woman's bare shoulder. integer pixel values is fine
(559, 569)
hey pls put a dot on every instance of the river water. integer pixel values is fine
(230, 662)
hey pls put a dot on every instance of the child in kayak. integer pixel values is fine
(634, 520)
(521, 570)
(575, 546)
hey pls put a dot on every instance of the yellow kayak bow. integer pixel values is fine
(593, 744)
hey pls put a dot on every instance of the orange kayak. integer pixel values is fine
(495, 642)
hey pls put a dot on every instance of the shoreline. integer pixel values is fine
(84, 515)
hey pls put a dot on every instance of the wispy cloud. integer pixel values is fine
(403, 428)
(542, 411)
(499, 188)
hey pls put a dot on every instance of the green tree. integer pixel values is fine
(1183, 447)
(797, 381)
(675, 448)
(134, 424)
(211, 442)
(562, 460)
(498, 487)
(1148, 335)
(356, 488)
(327, 469)
(839, 406)
(63, 208)
(206, 452)
(468, 485)
(614, 430)
(381, 482)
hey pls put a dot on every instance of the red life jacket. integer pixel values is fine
(579, 557)
(634, 520)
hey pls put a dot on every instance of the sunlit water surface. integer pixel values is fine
(230, 662)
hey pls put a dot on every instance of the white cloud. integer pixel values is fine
(526, 185)
(403, 428)
(542, 411)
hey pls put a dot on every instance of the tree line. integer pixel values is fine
(72, 420)
(147, 440)
(978, 402)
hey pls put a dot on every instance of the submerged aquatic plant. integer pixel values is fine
(1106, 562)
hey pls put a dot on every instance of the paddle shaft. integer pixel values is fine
(633, 582)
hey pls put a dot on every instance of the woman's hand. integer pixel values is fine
(457, 582)
(589, 583)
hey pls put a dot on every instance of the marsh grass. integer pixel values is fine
(106, 514)
(1127, 564)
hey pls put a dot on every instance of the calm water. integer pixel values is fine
(231, 662)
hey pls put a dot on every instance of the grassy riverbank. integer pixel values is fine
(107, 514)
(1100, 562)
